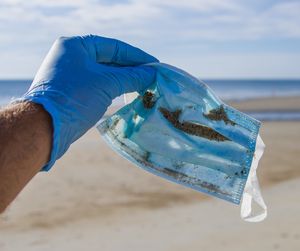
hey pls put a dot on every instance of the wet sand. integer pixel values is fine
(269, 104)
(94, 199)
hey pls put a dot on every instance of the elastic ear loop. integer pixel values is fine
(125, 99)
(252, 191)
(129, 97)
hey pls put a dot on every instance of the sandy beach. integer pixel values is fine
(94, 199)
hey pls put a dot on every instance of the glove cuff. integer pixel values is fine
(56, 153)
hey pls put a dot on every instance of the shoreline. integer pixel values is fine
(279, 104)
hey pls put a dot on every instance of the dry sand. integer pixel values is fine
(93, 199)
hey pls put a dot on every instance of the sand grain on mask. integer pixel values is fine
(190, 127)
(218, 115)
(148, 100)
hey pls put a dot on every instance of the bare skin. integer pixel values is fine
(25, 146)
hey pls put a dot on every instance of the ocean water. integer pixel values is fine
(10, 89)
(225, 89)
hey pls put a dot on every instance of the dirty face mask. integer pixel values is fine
(180, 130)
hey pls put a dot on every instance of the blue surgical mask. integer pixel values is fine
(180, 130)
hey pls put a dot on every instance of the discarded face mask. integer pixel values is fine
(180, 130)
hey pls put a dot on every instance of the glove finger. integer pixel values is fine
(113, 51)
(129, 79)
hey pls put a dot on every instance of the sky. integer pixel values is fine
(208, 38)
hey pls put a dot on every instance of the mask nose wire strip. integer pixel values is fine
(252, 191)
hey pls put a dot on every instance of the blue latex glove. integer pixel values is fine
(78, 80)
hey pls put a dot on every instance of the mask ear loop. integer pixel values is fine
(129, 97)
(125, 99)
(252, 191)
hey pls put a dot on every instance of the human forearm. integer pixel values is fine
(25, 145)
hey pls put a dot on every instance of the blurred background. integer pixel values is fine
(247, 51)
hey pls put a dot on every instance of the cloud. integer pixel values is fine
(205, 19)
(31, 26)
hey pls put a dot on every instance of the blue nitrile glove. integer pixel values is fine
(78, 80)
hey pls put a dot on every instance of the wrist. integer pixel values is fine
(33, 125)
(49, 108)
(70, 118)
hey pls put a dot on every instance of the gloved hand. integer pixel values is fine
(78, 80)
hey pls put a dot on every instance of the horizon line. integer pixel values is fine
(200, 78)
